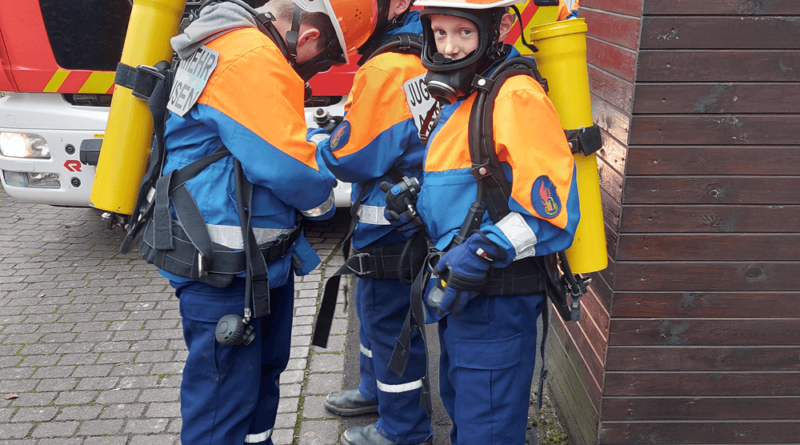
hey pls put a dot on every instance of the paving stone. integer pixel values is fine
(115, 357)
(15, 431)
(298, 352)
(283, 436)
(17, 386)
(130, 335)
(106, 440)
(296, 364)
(326, 362)
(35, 399)
(78, 359)
(288, 404)
(79, 412)
(74, 348)
(61, 441)
(57, 384)
(292, 390)
(167, 439)
(165, 410)
(97, 383)
(92, 371)
(324, 383)
(292, 376)
(40, 360)
(100, 427)
(112, 346)
(147, 426)
(335, 344)
(55, 429)
(287, 420)
(75, 397)
(313, 409)
(318, 432)
(175, 426)
(118, 396)
(123, 411)
(40, 414)
(154, 356)
(160, 395)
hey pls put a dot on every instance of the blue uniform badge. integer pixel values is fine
(340, 135)
(544, 198)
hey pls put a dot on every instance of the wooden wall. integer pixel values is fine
(578, 350)
(704, 339)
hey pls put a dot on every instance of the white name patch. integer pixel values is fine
(191, 78)
(420, 102)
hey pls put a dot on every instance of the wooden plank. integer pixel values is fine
(707, 98)
(700, 433)
(613, 121)
(709, 160)
(586, 380)
(721, 7)
(602, 290)
(613, 153)
(672, 384)
(627, 7)
(712, 190)
(711, 359)
(612, 89)
(614, 59)
(709, 247)
(612, 205)
(702, 276)
(612, 239)
(591, 346)
(719, 32)
(569, 379)
(562, 397)
(698, 219)
(707, 305)
(724, 129)
(683, 332)
(608, 274)
(613, 28)
(696, 409)
(718, 66)
(599, 315)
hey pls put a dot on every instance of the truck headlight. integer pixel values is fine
(23, 145)
(33, 180)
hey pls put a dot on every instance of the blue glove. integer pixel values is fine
(407, 223)
(465, 269)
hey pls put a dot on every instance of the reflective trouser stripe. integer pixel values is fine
(322, 209)
(403, 387)
(365, 351)
(258, 438)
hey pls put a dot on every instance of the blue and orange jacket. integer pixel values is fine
(378, 133)
(253, 104)
(538, 163)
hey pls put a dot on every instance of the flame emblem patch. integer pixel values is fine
(340, 135)
(544, 198)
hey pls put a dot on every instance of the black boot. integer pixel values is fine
(368, 435)
(349, 403)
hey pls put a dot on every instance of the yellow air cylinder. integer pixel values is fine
(129, 132)
(562, 61)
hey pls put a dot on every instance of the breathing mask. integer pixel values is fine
(451, 80)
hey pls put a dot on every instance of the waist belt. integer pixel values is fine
(183, 259)
(523, 277)
(395, 262)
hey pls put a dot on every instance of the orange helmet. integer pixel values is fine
(355, 20)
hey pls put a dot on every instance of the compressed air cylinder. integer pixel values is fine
(562, 61)
(129, 132)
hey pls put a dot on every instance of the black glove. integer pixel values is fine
(331, 124)
(400, 210)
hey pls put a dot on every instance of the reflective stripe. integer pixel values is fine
(403, 387)
(372, 215)
(519, 233)
(98, 82)
(56, 81)
(320, 210)
(365, 351)
(231, 236)
(319, 137)
(258, 438)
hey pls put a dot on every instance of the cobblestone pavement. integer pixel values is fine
(91, 347)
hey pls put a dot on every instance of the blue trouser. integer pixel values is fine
(382, 307)
(488, 354)
(229, 394)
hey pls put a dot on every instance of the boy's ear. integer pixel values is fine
(506, 22)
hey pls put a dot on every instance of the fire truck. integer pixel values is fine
(57, 65)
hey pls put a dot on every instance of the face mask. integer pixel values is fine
(447, 86)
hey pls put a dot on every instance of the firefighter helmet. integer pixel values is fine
(355, 20)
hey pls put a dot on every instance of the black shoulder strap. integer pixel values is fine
(406, 43)
(493, 188)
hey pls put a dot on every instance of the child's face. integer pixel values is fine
(456, 37)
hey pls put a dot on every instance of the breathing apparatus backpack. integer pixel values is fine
(184, 247)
